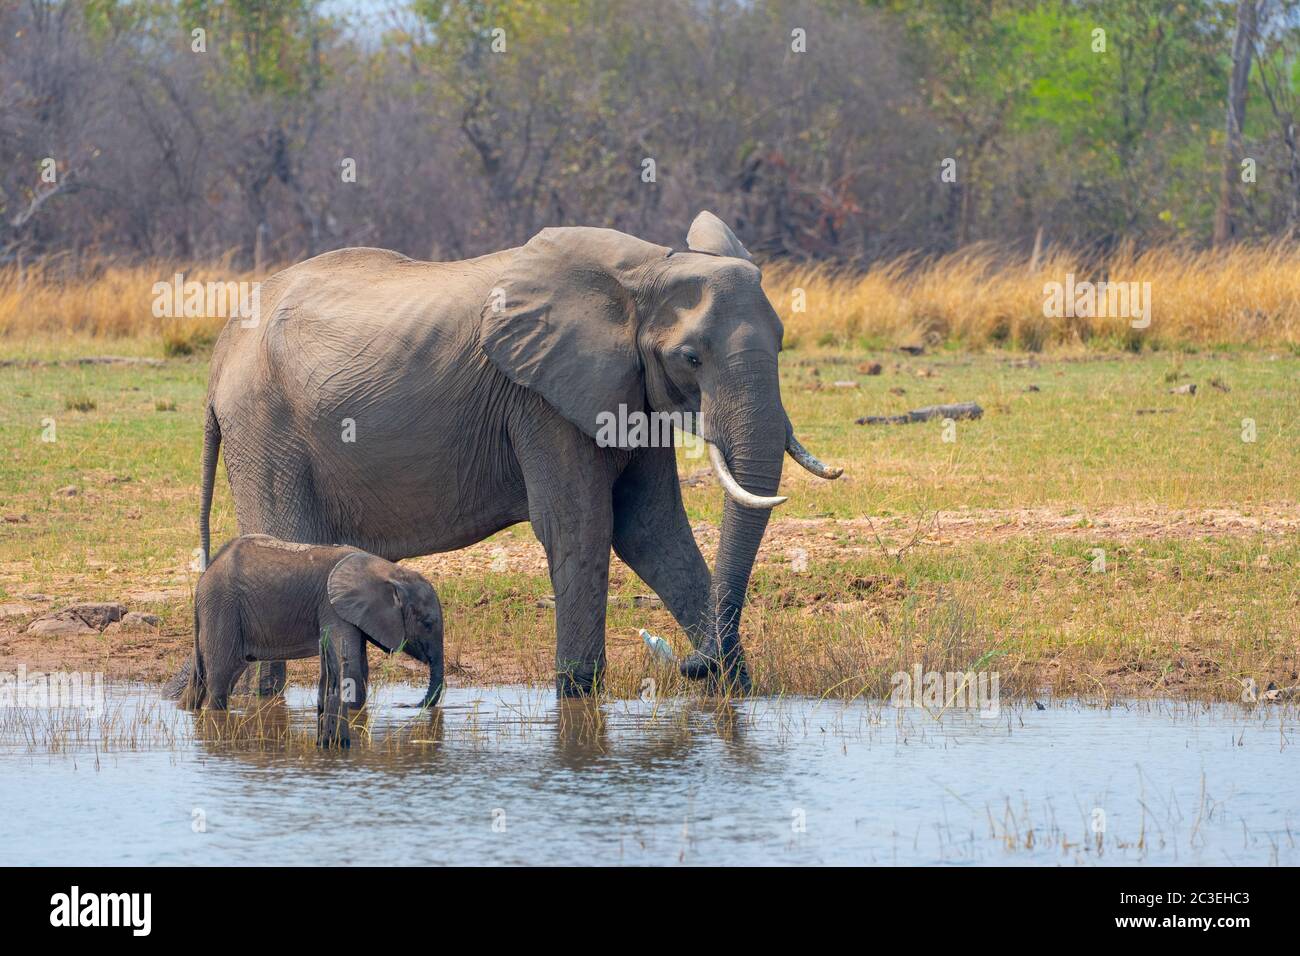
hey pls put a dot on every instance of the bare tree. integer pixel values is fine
(1243, 45)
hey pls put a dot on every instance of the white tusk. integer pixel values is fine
(732, 487)
(806, 458)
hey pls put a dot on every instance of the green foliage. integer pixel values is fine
(1098, 121)
(267, 46)
(1122, 88)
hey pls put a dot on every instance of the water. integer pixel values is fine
(505, 775)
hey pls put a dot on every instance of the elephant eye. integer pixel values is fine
(691, 356)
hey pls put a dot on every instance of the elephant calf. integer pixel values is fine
(263, 599)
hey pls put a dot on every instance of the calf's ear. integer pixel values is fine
(364, 592)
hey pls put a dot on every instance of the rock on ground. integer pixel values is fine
(59, 627)
(84, 618)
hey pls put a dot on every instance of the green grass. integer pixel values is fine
(1079, 441)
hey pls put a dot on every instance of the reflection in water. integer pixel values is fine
(264, 724)
(664, 735)
(581, 733)
(508, 775)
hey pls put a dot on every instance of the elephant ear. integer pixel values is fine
(710, 234)
(561, 321)
(363, 591)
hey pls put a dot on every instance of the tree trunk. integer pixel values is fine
(1242, 45)
(1293, 177)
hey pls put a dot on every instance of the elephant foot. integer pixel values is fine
(582, 680)
(332, 729)
(699, 666)
(331, 739)
(732, 680)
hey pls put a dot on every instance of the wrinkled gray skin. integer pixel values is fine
(263, 599)
(474, 388)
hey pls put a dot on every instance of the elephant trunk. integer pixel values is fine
(748, 427)
(437, 687)
(431, 653)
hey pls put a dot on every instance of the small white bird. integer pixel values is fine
(659, 648)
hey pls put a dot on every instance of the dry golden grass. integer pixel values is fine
(110, 301)
(979, 297)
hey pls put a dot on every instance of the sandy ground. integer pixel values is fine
(843, 538)
(153, 654)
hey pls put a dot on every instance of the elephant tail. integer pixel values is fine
(193, 695)
(175, 687)
(186, 685)
(211, 446)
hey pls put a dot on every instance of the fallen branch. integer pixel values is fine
(960, 410)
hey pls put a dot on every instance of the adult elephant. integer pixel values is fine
(410, 407)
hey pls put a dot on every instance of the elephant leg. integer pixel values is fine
(363, 677)
(355, 671)
(221, 661)
(220, 679)
(577, 549)
(653, 537)
(568, 480)
(331, 714)
(340, 675)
